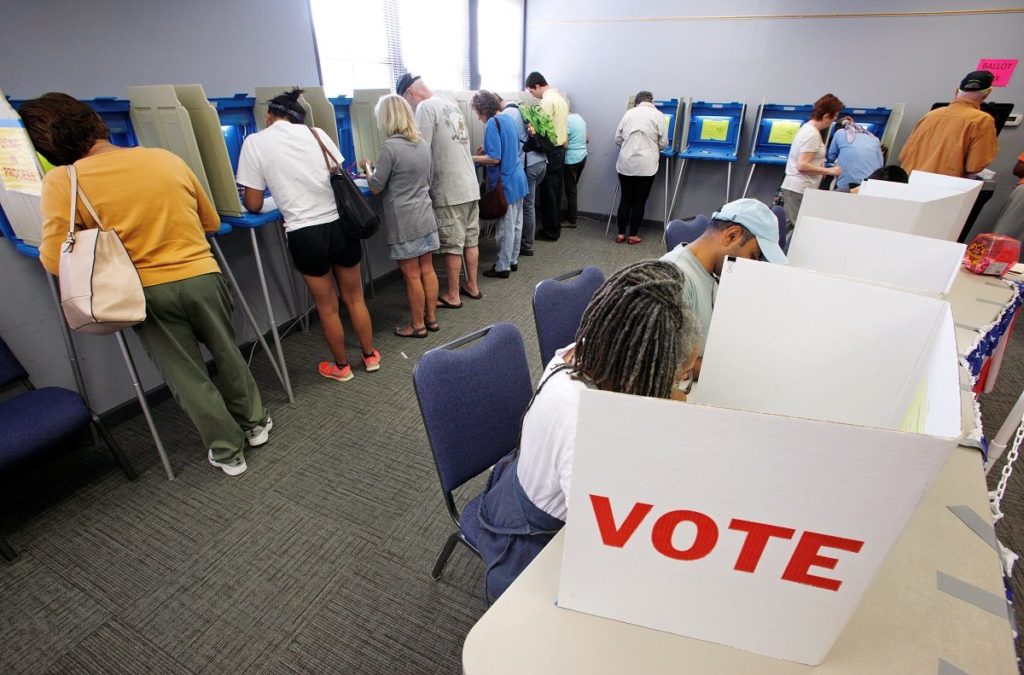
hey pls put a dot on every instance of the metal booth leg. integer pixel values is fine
(140, 394)
(728, 181)
(270, 314)
(369, 268)
(72, 351)
(749, 176)
(675, 191)
(299, 310)
(611, 209)
(248, 311)
(668, 178)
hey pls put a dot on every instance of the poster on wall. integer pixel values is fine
(1001, 68)
(18, 168)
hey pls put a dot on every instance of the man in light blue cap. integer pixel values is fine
(744, 228)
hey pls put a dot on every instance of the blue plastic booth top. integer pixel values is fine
(714, 131)
(237, 120)
(873, 119)
(115, 114)
(774, 135)
(669, 106)
(343, 117)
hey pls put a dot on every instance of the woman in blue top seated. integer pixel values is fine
(636, 337)
(502, 156)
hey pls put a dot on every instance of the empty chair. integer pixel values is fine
(780, 213)
(558, 306)
(685, 231)
(472, 393)
(36, 421)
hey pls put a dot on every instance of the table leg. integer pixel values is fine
(140, 394)
(749, 176)
(248, 311)
(270, 315)
(296, 309)
(728, 181)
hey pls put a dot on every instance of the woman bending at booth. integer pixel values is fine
(641, 136)
(286, 159)
(161, 213)
(805, 165)
(403, 176)
(636, 337)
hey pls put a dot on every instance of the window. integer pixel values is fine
(368, 44)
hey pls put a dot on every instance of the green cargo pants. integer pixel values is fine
(180, 315)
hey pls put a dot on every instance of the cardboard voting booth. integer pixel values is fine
(757, 515)
(874, 255)
(923, 210)
(968, 187)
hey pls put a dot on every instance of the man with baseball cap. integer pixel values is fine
(958, 139)
(744, 228)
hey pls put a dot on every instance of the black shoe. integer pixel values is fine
(515, 267)
(496, 274)
(526, 251)
(544, 236)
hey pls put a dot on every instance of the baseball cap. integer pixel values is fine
(404, 82)
(979, 80)
(759, 221)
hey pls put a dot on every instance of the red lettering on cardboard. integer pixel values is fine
(806, 556)
(703, 542)
(611, 534)
(758, 535)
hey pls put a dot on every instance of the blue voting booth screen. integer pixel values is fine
(237, 121)
(714, 131)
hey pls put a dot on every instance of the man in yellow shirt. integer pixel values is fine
(549, 192)
(956, 140)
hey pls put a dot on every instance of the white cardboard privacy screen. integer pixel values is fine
(758, 515)
(827, 501)
(875, 255)
(969, 187)
(797, 343)
(932, 212)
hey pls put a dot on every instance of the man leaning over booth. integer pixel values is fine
(744, 228)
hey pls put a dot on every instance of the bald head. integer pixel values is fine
(976, 96)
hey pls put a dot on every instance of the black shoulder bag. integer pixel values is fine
(358, 221)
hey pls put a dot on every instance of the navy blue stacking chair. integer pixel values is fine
(36, 421)
(473, 393)
(685, 231)
(558, 306)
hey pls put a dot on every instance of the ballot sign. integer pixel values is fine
(757, 515)
(1001, 68)
(18, 168)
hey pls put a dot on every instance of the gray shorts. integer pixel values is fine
(458, 226)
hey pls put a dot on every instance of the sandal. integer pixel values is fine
(441, 302)
(432, 326)
(632, 241)
(409, 331)
(620, 238)
(463, 291)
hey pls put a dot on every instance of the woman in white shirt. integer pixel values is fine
(636, 337)
(806, 162)
(641, 136)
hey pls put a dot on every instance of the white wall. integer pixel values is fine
(599, 51)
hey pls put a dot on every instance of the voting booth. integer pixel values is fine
(20, 178)
(236, 122)
(918, 208)
(774, 131)
(711, 131)
(773, 504)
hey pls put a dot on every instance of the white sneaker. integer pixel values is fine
(259, 434)
(232, 467)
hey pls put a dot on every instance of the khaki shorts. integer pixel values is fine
(458, 226)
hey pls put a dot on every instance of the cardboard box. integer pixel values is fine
(874, 255)
(757, 515)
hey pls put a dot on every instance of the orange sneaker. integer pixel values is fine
(372, 362)
(330, 369)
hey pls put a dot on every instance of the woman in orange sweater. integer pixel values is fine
(161, 213)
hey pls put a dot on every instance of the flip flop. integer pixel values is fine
(432, 326)
(408, 331)
(441, 302)
(463, 291)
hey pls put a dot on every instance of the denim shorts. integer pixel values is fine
(415, 248)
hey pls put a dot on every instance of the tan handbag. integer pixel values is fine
(100, 289)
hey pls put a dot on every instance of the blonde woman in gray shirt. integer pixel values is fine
(402, 177)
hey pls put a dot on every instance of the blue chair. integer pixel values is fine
(38, 420)
(685, 231)
(780, 214)
(473, 393)
(558, 306)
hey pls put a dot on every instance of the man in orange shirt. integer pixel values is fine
(959, 139)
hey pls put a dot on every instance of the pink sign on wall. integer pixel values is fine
(1001, 68)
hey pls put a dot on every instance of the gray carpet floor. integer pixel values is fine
(315, 560)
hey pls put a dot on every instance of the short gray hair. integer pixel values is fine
(643, 97)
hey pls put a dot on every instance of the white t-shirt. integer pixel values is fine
(286, 158)
(548, 439)
(808, 139)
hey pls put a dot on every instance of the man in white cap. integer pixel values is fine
(744, 228)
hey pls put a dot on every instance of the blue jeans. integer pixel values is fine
(510, 234)
(534, 175)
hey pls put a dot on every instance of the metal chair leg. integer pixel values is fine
(446, 553)
(7, 551)
(114, 447)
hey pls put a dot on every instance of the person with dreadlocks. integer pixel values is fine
(636, 337)
(286, 157)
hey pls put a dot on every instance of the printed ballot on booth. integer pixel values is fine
(923, 210)
(757, 515)
(877, 256)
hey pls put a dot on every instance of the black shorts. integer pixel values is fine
(318, 248)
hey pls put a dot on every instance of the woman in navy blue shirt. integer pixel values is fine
(501, 154)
